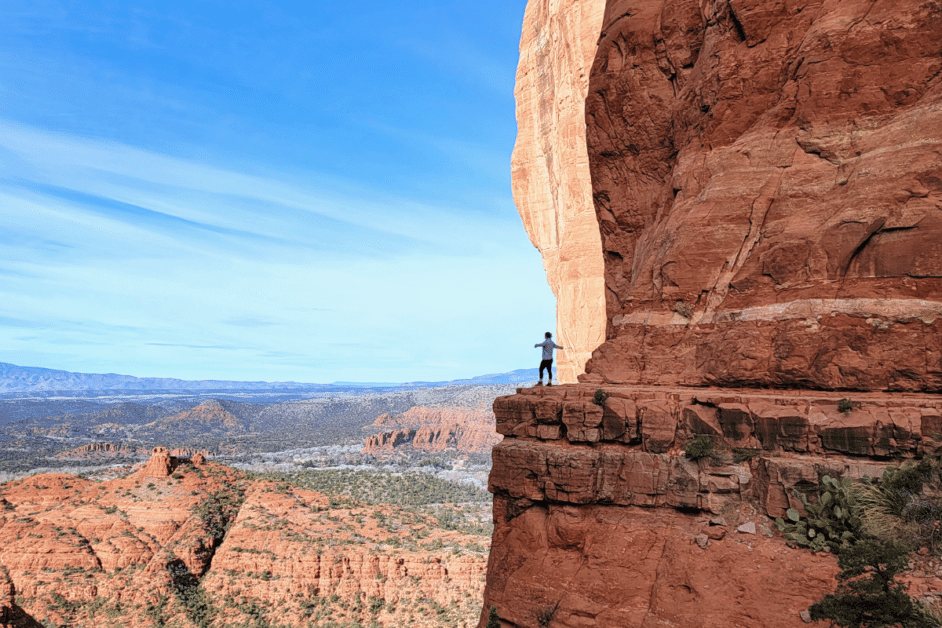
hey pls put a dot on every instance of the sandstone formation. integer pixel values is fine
(767, 183)
(769, 192)
(206, 546)
(550, 170)
(638, 535)
(431, 429)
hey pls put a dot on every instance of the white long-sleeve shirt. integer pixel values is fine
(548, 346)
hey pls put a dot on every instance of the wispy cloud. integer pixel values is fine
(250, 321)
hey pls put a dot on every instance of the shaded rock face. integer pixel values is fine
(768, 184)
(550, 169)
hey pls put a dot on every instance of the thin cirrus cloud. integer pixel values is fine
(202, 193)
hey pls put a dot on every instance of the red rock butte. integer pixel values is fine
(766, 185)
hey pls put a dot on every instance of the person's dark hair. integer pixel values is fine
(549, 335)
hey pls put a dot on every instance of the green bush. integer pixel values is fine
(700, 447)
(493, 619)
(867, 595)
(898, 507)
(684, 309)
(845, 405)
(600, 397)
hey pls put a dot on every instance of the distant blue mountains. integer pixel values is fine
(16, 379)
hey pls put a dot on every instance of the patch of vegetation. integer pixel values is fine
(600, 397)
(684, 309)
(700, 447)
(743, 454)
(872, 527)
(868, 595)
(493, 619)
(219, 509)
(409, 488)
(833, 522)
(845, 405)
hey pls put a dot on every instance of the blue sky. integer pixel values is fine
(311, 191)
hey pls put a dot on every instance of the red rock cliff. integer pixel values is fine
(767, 180)
(768, 183)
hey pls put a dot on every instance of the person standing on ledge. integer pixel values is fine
(547, 363)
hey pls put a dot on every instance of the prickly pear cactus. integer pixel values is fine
(830, 524)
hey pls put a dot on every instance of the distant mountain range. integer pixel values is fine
(15, 379)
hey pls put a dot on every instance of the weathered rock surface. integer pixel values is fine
(606, 496)
(138, 550)
(767, 181)
(771, 171)
(626, 567)
(466, 429)
(550, 169)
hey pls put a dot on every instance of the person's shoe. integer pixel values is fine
(549, 383)
(539, 383)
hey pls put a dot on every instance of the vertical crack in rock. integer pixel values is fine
(757, 216)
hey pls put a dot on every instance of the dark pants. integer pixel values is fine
(548, 365)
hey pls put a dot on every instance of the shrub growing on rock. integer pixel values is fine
(833, 522)
(700, 447)
(867, 595)
(493, 619)
(600, 397)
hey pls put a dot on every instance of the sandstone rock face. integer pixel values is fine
(161, 463)
(605, 495)
(550, 168)
(769, 192)
(767, 180)
(137, 551)
(626, 567)
(422, 428)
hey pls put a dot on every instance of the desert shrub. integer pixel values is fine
(684, 309)
(867, 594)
(700, 447)
(600, 397)
(845, 405)
(742, 454)
(833, 522)
(544, 615)
(493, 619)
(905, 504)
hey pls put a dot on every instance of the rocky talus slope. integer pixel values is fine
(767, 184)
(550, 168)
(194, 543)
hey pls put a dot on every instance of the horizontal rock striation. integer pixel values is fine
(747, 156)
(592, 489)
(432, 429)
